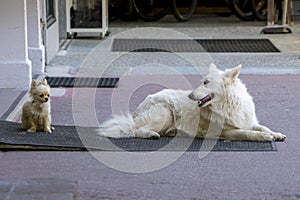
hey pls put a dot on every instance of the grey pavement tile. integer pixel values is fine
(36, 189)
(7, 98)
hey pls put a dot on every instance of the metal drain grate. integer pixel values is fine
(197, 45)
(82, 82)
(81, 138)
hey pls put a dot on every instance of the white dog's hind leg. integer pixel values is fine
(144, 132)
(153, 120)
(120, 126)
(238, 134)
(277, 136)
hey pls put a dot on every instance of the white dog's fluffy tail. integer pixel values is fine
(119, 126)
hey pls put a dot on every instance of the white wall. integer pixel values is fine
(22, 52)
(36, 50)
(52, 37)
(15, 67)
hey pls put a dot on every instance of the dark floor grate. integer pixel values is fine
(197, 45)
(82, 82)
(67, 137)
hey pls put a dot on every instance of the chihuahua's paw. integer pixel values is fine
(48, 130)
(52, 128)
(31, 130)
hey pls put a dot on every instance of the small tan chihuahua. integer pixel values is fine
(36, 113)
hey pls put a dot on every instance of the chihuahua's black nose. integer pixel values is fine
(46, 99)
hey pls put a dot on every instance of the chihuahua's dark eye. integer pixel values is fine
(41, 95)
(206, 82)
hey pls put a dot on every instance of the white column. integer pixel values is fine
(52, 37)
(36, 50)
(15, 67)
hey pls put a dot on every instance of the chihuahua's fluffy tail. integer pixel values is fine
(120, 126)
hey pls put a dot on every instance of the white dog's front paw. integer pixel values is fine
(279, 136)
(265, 137)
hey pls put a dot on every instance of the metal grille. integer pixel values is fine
(197, 45)
(82, 82)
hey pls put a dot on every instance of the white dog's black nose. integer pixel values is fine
(192, 96)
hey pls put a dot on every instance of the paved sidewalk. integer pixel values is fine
(37, 189)
(7, 97)
(271, 78)
(93, 57)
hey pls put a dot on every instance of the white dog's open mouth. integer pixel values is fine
(205, 99)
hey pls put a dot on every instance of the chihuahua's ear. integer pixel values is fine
(34, 83)
(45, 82)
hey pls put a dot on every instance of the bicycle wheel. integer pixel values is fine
(126, 11)
(183, 9)
(152, 10)
(259, 9)
(242, 9)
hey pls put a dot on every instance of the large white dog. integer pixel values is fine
(221, 103)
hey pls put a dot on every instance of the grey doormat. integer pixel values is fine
(83, 138)
(82, 82)
(197, 45)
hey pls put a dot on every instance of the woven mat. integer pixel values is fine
(82, 138)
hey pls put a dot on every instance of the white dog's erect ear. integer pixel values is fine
(213, 68)
(233, 73)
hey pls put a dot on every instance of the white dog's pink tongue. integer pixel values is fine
(205, 99)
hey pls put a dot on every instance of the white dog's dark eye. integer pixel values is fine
(206, 82)
(41, 95)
